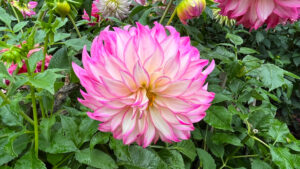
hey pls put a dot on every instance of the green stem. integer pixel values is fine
(245, 156)
(259, 140)
(42, 109)
(166, 11)
(35, 117)
(18, 19)
(74, 24)
(172, 16)
(36, 125)
(45, 52)
(26, 117)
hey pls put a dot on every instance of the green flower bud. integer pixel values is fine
(62, 8)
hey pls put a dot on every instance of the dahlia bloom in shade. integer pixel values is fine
(143, 84)
(25, 9)
(189, 9)
(94, 12)
(255, 13)
(113, 8)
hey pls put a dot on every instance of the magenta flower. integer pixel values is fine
(254, 13)
(94, 13)
(143, 84)
(26, 10)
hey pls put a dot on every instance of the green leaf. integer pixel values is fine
(173, 158)
(206, 159)
(225, 138)
(219, 117)
(4, 17)
(60, 36)
(258, 164)
(9, 114)
(271, 75)
(60, 59)
(45, 80)
(19, 26)
(69, 128)
(187, 148)
(95, 158)
(87, 128)
(291, 75)
(54, 158)
(235, 39)
(59, 144)
(4, 73)
(247, 51)
(12, 145)
(29, 161)
(99, 138)
(278, 130)
(45, 127)
(259, 37)
(144, 159)
(143, 19)
(34, 59)
(78, 44)
(283, 158)
(120, 150)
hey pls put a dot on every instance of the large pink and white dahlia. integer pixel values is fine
(254, 13)
(144, 84)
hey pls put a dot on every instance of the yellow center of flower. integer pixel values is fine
(150, 95)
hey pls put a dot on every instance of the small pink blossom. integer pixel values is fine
(26, 10)
(255, 13)
(94, 13)
(144, 84)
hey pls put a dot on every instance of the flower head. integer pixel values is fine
(26, 10)
(94, 12)
(189, 9)
(255, 13)
(143, 84)
(113, 8)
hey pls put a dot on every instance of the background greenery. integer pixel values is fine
(253, 123)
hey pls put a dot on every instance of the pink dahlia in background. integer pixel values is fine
(189, 9)
(144, 84)
(23, 69)
(254, 13)
(25, 9)
(94, 13)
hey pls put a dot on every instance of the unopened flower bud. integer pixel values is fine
(189, 9)
(62, 8)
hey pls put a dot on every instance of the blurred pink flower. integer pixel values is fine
(144, 84)
(254, 13)
(141, 2)
(94, 13)
(26, 10)
(23, 69)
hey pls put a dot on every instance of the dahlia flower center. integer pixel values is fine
(151, 96)
(112, 4)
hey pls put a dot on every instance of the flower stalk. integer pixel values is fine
(166, 11)
(74, 24)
